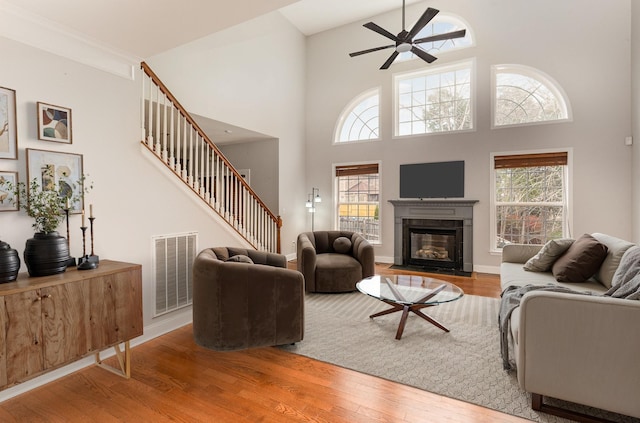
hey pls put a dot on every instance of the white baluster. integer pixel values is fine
(157, 133)
(143, 117)
(177, 166)
(164, 128)
(150, 124)
(172, 159)
(185, 159)
(190, 167)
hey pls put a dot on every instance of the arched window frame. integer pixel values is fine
(551, 84)
(442, 18)
(349, 109)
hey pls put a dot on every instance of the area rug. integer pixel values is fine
(464, 364)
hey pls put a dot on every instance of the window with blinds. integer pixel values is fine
(529, 200)
(359, 199)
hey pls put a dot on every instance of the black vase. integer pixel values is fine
(9, 263)
(46, 254)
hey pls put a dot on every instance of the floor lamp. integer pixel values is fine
(313, 198)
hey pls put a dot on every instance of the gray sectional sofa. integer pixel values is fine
(579, 348)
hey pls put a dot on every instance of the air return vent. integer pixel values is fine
(173, 257)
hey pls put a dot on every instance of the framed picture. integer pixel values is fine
(54, 123)
(51, 169)
(8, 125)
(6, 196)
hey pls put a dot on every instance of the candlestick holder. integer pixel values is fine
(71, 262)
(87, 262)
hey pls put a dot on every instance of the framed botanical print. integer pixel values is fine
(54, 123)
(8, 124)
(6, 195)
(53, 169)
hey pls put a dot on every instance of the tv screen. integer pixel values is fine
(432, 180)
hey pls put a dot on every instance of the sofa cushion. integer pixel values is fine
(580, 261)
(617, 247)
(545, 258)
(342, 245)
(240, 258)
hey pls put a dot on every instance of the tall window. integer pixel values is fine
(530, 198)
(361, 118)
(434, 100)
(524, 95)
(359, 199)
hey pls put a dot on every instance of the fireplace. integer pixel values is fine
(434, 235)
(432, 244)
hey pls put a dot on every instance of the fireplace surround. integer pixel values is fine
(434, 235)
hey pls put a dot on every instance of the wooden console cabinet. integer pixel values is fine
(50, 321)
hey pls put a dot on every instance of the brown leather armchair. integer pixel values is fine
(246, 298)
(334, 261)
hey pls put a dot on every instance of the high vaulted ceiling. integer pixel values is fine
(143, 28)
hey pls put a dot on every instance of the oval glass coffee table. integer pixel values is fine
(409, 293)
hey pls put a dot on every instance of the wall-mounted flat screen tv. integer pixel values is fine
(432, 180)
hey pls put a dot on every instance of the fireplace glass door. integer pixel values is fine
(431, 246)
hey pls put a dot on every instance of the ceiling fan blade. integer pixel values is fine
(422, 22)
(390, 60)
(371, 50)
(381, 31)
(448, 36)
(422, 54)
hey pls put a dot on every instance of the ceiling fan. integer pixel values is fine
(404, 41)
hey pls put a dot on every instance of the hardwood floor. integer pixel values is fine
(173, 379)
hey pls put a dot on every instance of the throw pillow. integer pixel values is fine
(342, 245)
(240, 259)
(547, 255)
(580, 261)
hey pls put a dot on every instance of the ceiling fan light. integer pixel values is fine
(403, 48)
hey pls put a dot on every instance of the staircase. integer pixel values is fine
(174, 137)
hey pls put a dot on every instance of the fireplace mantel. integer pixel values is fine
(459, 209)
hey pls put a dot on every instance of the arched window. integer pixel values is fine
(360, 120)
(441, 24)
(524, 95)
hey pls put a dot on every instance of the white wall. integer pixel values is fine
(563, 39)
(250, 76)
(261, 158)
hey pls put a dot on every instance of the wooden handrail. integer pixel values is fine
(232, 209)
(187, 116)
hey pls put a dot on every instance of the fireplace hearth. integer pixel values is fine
(434, 235)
